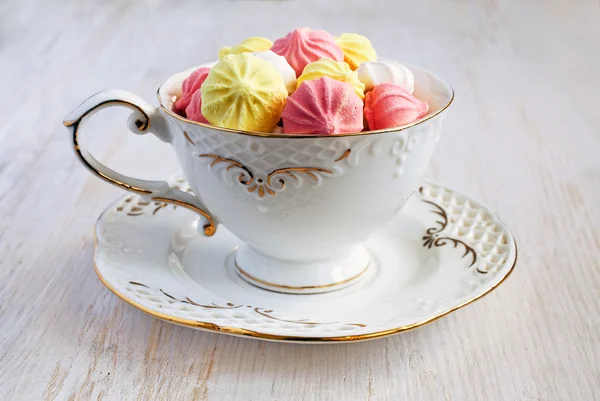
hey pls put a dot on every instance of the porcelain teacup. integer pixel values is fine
(302, 204)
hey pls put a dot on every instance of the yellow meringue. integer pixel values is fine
(243, 92)
(338, 70)
(356, 48)
(250, 45)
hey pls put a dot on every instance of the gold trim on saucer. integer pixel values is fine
(212, 327)
(276, 337)
(248, 276)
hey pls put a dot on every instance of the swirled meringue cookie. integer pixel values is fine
(357, 49)
(250, 45)
(190, 85)
(194, 110)
(373, 73)
(323, 106)
(390, 105)
(304, 46)
(338, 70)
(281, 64)
(243, 92)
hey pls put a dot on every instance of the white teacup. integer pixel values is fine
(302, 204)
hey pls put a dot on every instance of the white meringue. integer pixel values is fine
(373, 73)
(284, 68)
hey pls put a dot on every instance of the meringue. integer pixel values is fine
(281, 64)
(254, 44)
(323, 106)
(357, 49)
(243, 92)
(194, 110)
(338, 70)
(374, 73)
(190, 85)
(304, 46)
(390, 105)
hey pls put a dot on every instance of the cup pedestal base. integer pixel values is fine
(293, 277)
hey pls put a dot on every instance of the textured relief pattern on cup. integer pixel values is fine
(407, 140)
(265, 167)
(401, 148)
(264, 155)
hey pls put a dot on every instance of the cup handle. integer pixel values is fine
(144, 119)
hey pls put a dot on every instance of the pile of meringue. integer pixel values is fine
(307, 82)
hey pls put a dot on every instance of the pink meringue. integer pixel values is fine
(190, 85)
(390, 105)
(323, 106)
(304, 46)
(194, 110)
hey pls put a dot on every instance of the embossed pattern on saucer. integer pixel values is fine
(441, 252)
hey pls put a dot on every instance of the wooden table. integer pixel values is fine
(522, 135)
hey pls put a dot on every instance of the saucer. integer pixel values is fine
(441, 252)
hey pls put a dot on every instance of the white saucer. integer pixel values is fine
(441, 252)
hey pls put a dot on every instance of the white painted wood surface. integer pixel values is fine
(523, 135)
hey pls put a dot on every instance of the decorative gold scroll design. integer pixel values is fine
(345, 155)
(138, 207)
(267, 313)
(187, 300)
(433, 235)
(260, 311)
(187, 137)
(270, 184)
